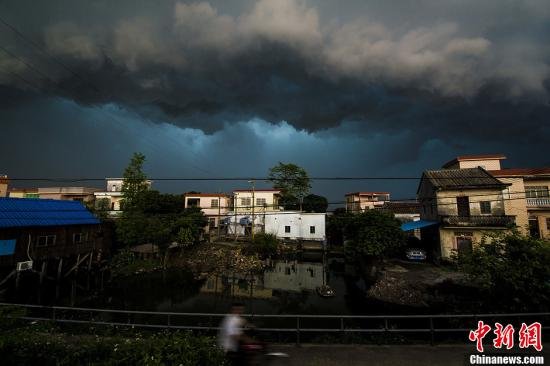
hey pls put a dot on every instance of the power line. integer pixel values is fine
(44, 52)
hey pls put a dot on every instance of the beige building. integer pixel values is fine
(82, 194)
(527, 196)
(362, 201)
(261, 200)
(213, 205)
(4, 185)
(465, 205)
(113, 194)
(23, 193)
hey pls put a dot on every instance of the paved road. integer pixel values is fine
(318, 355)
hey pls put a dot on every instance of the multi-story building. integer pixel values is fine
(213, 205)
(362, 201)
(4, 185)
(261, 200)
(82, 194)
(113, 194)
(527, 197)
(23, 193)
(465, 206)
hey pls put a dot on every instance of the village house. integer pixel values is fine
(528, 195)
(460, 207)
(113, 195)
(82, 194)
(406, 212)
(23, 193)
(214, 205)
(38, 231)
(362, 201)
(4, 185)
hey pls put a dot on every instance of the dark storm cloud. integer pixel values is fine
(202, 64)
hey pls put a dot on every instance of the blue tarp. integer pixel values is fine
(245, 221)
(7, 247)
(21, 212)
(412, 225)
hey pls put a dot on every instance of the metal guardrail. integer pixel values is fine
(386, 323)
(479, 221)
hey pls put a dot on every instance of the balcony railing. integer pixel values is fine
(479, 221)
(538, 202)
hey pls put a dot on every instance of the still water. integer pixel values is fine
(284, 287)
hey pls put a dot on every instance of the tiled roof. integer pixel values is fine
(23, 212)
(402, 207)
(520, 172)
(462, 178)
(474, 157)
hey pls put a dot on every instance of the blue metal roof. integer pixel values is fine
(412, 225)
(21, 212)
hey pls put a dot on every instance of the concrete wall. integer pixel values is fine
(448, 238)
(299, 223)
(446, 201)
(487, 164)
(271, 201)
(515, 203)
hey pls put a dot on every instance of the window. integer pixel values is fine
(77, 238)
(287, 229)
(214, 203)
(193, 202)
(537, 192)
(312, 229)
(485, 207)
(247, 201)
(114, 188)
(260, 202)
(463, 206)
(548, 223)
(45, 240)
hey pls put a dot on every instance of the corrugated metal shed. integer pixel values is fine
(24, 212)
(463, 179)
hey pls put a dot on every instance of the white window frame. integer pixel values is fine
(214, 203)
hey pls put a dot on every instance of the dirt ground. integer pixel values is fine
(406, 283)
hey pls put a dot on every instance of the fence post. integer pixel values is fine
(342, 326)
(298, 331)
(431, 331)
(168, 320)
(386, 331)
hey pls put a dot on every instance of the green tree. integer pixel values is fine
(134, 181)
(315, 203)
(291, 179)
(512, 270)
(264, 245)
(289, 202)
(101, 207)
(373, 234)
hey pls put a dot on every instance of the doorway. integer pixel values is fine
(463, 206)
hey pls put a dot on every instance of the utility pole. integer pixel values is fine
(219, 213)
(253, 204)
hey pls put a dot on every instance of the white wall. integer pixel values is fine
(299, 223)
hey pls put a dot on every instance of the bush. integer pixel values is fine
(30, 347)
(512, 270)
(264, 245)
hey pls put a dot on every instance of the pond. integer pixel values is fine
(286, 286)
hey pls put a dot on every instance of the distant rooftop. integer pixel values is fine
(257, 190)
(474, 157)
(205, 194)
(462, 178)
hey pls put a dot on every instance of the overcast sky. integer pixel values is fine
(230, 88)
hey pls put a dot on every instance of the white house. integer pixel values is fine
(292, 225)
(214, 205)
(113, 193)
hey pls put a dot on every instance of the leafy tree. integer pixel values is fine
(291, 179)
(264, 244)
(315, 203)
(512, 270)
(336, 225)
(160, 219)
(373, 234)
(289, 202)
(101, 207)
(134, 181)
